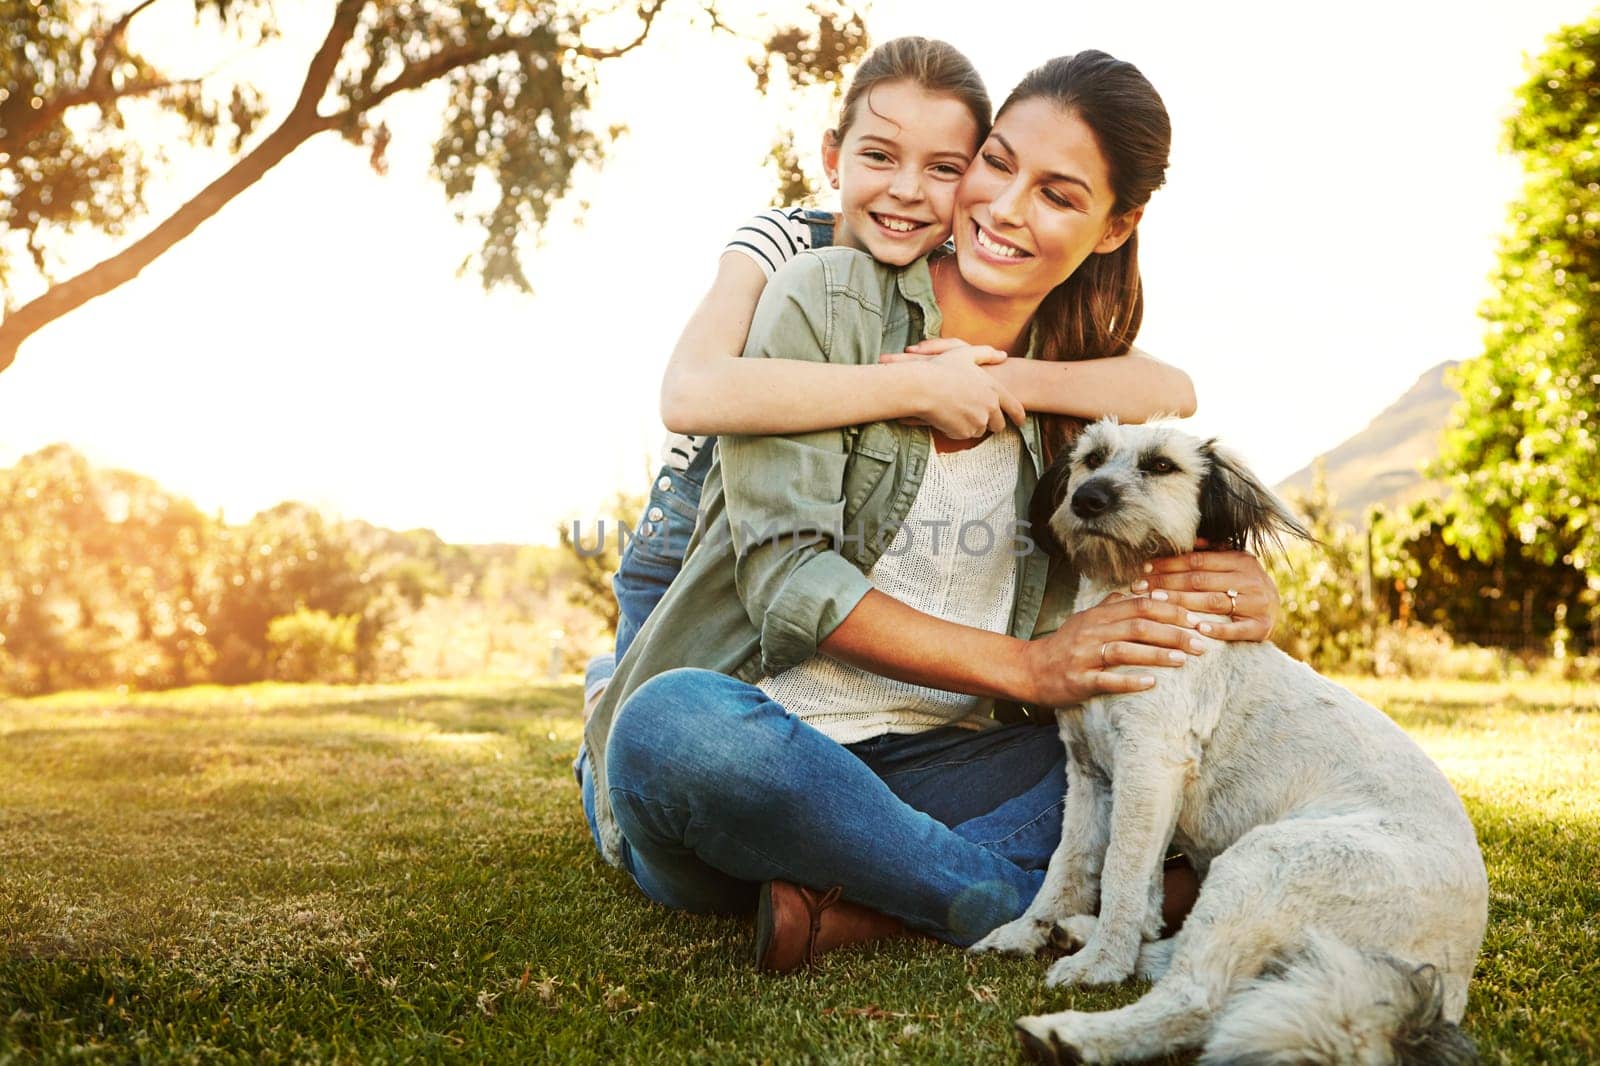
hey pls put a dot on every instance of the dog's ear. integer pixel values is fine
(1048, 496)
(1237, 511)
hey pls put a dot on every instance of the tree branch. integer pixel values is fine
(302, 123)
(647, 15)
(100, 74)
(320, 70)
(96, 89)
(415, 75)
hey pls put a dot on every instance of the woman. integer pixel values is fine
(784, 718)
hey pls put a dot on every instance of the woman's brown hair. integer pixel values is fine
(1097, 311)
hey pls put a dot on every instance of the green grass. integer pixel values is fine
(277, 874)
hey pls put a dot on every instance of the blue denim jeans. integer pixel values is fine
(717, 788)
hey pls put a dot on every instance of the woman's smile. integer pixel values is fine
(995, 248)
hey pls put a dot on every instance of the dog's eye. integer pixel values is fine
(1158, 464)
(1094, 459)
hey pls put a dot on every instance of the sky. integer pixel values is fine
(1326, 234)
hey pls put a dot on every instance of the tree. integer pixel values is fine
(99, 575)
(519, 76)
(287, 559)
(1521, 454)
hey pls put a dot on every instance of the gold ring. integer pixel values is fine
(1233, 602)
(1103, 648)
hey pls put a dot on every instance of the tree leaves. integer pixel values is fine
(1522, 457)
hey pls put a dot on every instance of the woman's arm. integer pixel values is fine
(708, 389)
(887, 637)
(1134, 388)
(1070, 665)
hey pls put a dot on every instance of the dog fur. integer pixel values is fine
(1343, 896)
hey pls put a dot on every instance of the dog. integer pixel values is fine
(1343, 896)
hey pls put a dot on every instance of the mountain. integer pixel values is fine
(1382, 463)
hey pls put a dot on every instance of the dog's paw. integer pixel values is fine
(1021, 937)
(1090, 966)
(1048, 1038)
(1071, 934)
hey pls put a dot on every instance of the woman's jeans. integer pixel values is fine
(717, 788)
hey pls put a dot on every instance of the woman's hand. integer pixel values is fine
(1074, 663)
(1201, 581)
(961, 400)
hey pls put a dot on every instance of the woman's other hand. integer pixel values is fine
(961, 400)
(1201, 580)
(1076, 662)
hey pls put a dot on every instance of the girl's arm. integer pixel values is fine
(1135, 387)
(708, 389)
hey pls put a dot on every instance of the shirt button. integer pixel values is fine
(647, 530)
(656, 514)
(665, 484)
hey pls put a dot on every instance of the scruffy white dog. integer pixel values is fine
(1343, 896)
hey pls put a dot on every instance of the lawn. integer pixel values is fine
(281, 873)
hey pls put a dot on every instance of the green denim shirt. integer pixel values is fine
(790, 525)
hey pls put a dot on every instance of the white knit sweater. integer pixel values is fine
(952, 558)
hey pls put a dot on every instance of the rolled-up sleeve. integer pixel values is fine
(785, 494)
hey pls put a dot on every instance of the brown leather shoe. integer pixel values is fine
(795, 924)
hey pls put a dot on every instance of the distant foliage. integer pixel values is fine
(106, 579)
(1523, 455)
(1327, 617)
(102, 578)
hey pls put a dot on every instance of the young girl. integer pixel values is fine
(896, 183)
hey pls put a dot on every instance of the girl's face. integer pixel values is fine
(897, 170)
(1035, 203)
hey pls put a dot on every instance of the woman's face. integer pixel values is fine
(897, 170)
(1035, 203)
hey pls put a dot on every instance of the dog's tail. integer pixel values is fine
(1331, 1003)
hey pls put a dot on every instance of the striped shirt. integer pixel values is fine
(769, 240)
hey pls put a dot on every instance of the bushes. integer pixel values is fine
(1422, 651)
(313, 646)
(1327, 617)
(107, 580)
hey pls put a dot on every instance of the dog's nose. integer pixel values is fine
(1093, 498)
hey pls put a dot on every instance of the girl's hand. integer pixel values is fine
(1074, 663)
(962, 401)
(1201, 580)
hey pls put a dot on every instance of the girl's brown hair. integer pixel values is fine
(933, 66)
(1097, 311)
